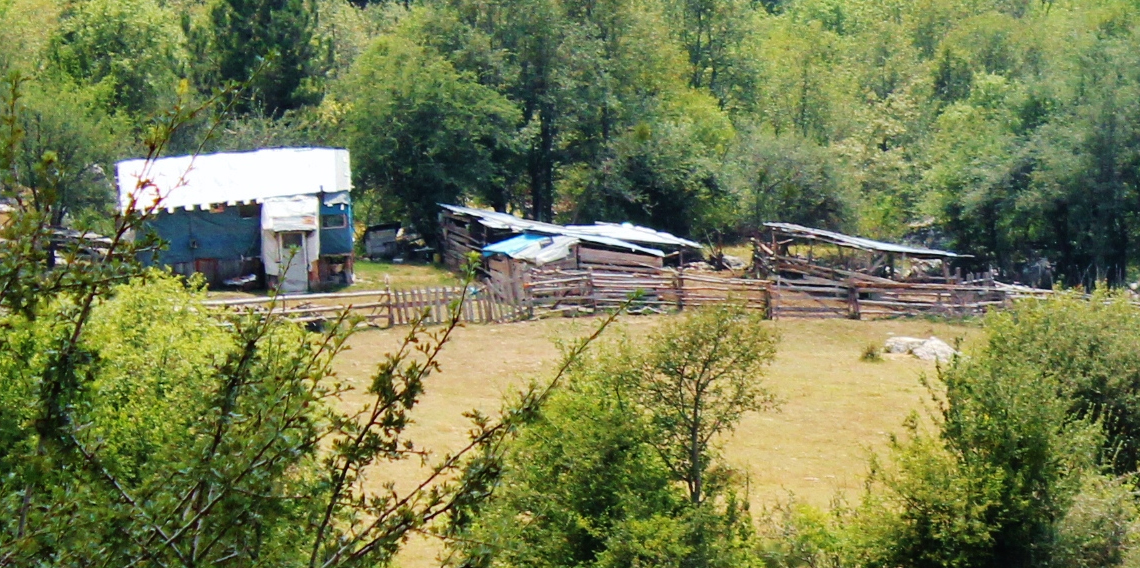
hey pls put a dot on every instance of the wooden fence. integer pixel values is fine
(539, 293)
(386, 308)
(584, 291)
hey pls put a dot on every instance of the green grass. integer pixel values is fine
(371, 275)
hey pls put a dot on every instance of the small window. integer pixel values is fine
(249, 211)
(338, 221)
(292, 240)
(218, 208)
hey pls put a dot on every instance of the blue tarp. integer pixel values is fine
(513, 245)
(192, 235)
(226, 235)
(336, 241)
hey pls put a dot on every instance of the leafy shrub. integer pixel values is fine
(605, 475)
(871, 354)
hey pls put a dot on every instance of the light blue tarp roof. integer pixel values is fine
(513, 245)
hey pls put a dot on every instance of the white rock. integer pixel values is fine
(733, 262)
(903, 344)
(934, 349)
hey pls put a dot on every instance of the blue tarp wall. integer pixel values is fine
(336, 241)
(192, 235)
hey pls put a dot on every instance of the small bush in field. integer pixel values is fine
(871, 354)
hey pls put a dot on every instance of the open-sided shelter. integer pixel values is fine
(806, 251)
(282, 216)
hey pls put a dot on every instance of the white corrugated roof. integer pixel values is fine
(632, 233)
(233, 178)
(859, 242)
(622, 235)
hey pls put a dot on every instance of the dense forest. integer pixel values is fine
(1001, 128)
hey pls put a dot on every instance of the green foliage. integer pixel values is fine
(1087, 348)
(67, 146)
(424, 132)
(789, 180)
(615, 472)
(1018, 469)
(130, 49)
(699, 376)
(269, 47)
(592, 490)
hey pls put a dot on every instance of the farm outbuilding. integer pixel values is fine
(511, 243)
(279, 216)
(817, 253)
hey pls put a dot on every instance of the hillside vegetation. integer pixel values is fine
(139, 427)
(1001, 128)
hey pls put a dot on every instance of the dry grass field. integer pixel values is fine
(836, 409)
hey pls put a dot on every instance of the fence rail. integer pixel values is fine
(384, 308)
(539, 293)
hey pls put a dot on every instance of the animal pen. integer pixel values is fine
(539, 293)
(798, 272)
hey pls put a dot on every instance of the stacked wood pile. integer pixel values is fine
(575, 291)
(611, 260)
(703, 289)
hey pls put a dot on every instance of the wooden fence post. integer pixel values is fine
(853, 300)
(388, 292)
(679, 286)
(591, 289)
(767, 301)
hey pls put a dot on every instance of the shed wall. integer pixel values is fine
(196, 235)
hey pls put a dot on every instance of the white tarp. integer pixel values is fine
(297, 213)
(547, 250)
(289, 214)
(232, 178)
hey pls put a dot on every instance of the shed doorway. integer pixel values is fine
(293, 262)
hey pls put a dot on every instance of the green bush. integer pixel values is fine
(605, 476)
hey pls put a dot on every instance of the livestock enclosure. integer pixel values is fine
(542, 293)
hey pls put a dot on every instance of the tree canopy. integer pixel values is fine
(1004, 130)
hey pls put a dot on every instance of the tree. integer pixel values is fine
(788, 179)
(268, 46)
(423, 132)
(1014, 471)
(595, 474)
(700, 375)
(592, 489)
(67, 142)
(132, 49)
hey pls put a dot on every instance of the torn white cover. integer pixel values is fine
(297, 213)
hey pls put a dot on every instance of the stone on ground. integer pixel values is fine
(932, 349)
(903, 344)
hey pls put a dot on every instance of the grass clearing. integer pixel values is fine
(372, 275)
(836, 409)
